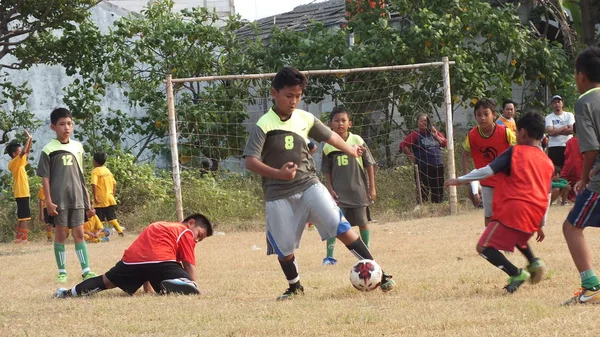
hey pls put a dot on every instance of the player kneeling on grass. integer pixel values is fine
(520, 204)
(277, 149)
(163, 255)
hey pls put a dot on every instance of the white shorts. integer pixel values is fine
(287, 217)
(487, 193)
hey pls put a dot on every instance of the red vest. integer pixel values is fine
(485, 150)
(521, 198)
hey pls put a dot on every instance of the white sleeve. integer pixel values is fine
(571, 119)
(549, 121)
(475, 187)
(545, 218)
(477, 174)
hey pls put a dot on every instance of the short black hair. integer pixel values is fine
(508, 101)
(534, 123)
(588, 62)
(338, 110)
(11, 148)
(100, 158)
(59, 113)
(557, 169)
(202, 221)
(289, 77)
(486, 103)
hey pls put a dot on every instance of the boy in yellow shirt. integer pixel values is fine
(104, 188)
(20, 186)
(94, 230)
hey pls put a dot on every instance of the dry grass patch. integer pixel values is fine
(444, 289)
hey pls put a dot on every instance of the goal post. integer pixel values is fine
(209, 117)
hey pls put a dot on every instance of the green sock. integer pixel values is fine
(589, 280)
(61, 256)
(365, 235)
(82, 255)
(330, 246)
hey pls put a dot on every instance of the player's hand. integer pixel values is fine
(372, 194)
(51, 207)
(580, 186)
(357, 151)
(333, 194)
(476, 200)
(96, 201)
(90, 213)
(287, 171)
(540, 235)
(27, 134)
(452, 182)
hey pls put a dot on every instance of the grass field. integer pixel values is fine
(444, 289)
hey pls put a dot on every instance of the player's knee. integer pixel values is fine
(107, 283)
(286, 258)
(479, 249)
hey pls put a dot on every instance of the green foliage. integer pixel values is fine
(14, 113)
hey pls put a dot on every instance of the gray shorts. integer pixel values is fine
(487, 193)
(287, 217)
(69, 218)
(356, 216)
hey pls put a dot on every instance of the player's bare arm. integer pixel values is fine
(589, 157)
(329, 181)
(190, 269)
(372, 188)
(95, 193)
(27, 148)
(286, 172)
(466, 161)
(336, 141)
(41, 211)
(50, 206)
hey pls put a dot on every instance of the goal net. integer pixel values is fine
(210, 119)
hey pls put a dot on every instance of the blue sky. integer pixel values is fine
(256, 9)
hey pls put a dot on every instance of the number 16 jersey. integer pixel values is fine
(276, 142)
(62, 164)
(348, 174)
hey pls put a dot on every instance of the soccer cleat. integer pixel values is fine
(291, 292)
(182, 286)
(536, 269)
(61, 278)
(88, 275)
(61, 293)
(514, 282)
(585, 296)
(387, 283)
(329, 261)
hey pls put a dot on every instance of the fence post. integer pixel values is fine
(174, 149)
(449, 133)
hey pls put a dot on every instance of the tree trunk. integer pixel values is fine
(588, 22)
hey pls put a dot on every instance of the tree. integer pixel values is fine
(144, 49)
(27, 25)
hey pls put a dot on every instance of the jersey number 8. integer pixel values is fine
(289, 142)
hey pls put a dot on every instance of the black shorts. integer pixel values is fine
(557, 155)
(106, 213)
(48, 220)
(130, 277)
(23, 211)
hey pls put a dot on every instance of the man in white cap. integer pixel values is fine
(559, 126)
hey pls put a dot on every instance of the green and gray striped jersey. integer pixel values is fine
(63, 165)
(276, 142)
(348, 175)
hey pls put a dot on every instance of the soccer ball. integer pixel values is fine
(365, 275)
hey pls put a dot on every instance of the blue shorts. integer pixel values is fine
(586, 212)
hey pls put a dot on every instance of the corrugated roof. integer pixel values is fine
(331, 13)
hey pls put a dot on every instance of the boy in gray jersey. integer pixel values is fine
(347, 179)
(586, 212)
(278, 150)
(67, 199)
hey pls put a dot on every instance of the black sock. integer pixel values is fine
(527, 252)
(360, 250)
(290, 269)
(89, 286)
(499, 260)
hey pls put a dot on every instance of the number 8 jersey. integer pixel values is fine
(276, 142)
(348, 174)
(63, 165)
